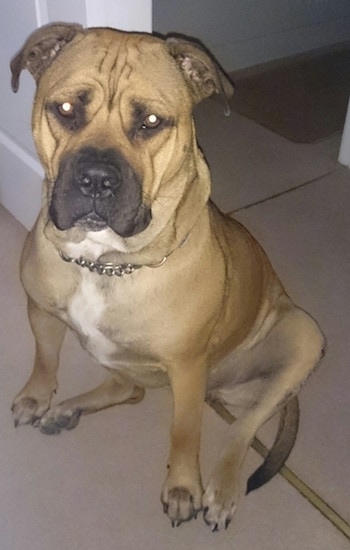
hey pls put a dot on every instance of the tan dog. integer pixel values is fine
(161, 288)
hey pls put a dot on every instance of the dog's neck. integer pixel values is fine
(118, 270)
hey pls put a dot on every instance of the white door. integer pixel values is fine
(20, 171)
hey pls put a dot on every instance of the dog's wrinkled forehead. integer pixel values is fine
(174, 66)
(114, 62)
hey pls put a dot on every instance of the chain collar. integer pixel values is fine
(111, 269)
(108, 268)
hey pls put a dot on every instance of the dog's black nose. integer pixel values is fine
(98, 180)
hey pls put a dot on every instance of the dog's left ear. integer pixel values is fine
(202, 73)
(41, 48)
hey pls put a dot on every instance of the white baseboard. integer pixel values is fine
(20, 181)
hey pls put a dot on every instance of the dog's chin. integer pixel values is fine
(91, 236)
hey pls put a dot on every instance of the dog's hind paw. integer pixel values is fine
(218, 509)
(57, 419)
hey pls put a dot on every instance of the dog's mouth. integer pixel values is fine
(91, 222)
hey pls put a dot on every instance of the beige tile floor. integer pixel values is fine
(98, 486)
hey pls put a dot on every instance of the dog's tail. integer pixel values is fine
(281, 448)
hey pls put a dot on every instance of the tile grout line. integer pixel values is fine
(281, 193)
(315, 500)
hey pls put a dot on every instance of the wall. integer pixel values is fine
(241, 33)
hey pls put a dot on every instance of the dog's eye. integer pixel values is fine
(151, 121)
(69, 114)
(66, 109)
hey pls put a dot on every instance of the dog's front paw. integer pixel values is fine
(60, 417)
(27, 410)
(219, 504)
(181, 504)
(33, 400)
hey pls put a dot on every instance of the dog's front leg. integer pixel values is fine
(35, 398)
(182, 490)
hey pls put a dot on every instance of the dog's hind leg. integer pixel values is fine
(294, 347)
(114, 390)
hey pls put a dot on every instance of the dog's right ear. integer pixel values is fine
(41, 48)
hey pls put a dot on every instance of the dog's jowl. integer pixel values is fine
(129, 252)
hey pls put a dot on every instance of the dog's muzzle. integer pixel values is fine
(96, 189)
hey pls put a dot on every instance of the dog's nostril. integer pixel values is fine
(86, 184)
(107, 183)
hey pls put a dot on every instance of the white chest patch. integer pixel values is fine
(85, 313)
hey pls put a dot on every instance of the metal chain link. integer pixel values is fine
(108, 269)
(102, 269)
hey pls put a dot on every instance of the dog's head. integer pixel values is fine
(112, 123)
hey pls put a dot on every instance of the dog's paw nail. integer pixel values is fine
(214, 528)
(165, 507)
(227, 523)
(16, 423)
